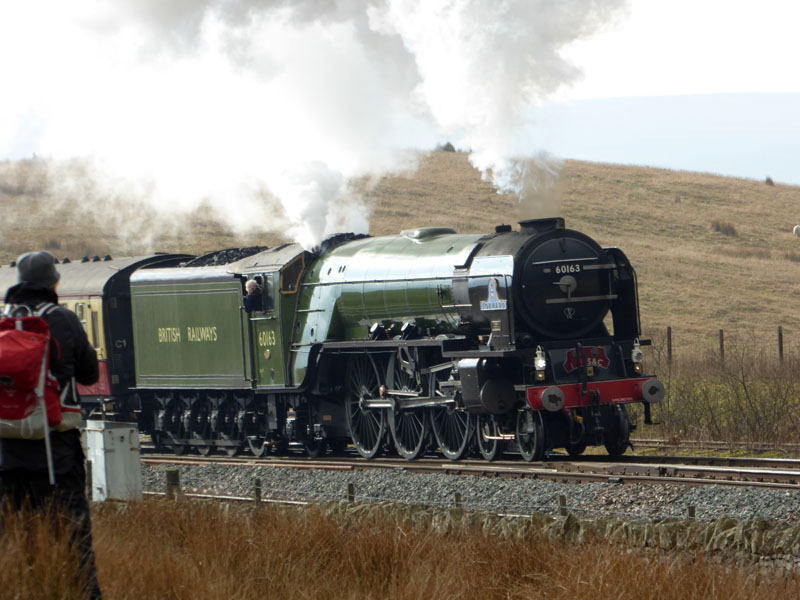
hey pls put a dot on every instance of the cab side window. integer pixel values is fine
(259, 293)
(269, 292)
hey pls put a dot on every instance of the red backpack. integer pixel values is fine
(28, 391)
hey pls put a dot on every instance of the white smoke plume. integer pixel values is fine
(215, 101)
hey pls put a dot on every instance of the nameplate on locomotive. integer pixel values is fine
(493, 301)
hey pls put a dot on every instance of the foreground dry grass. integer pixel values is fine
(181, 550)
(32, 563)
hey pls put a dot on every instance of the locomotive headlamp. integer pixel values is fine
(408, 330)
(377, 332)
(637, 356)
(539, 363)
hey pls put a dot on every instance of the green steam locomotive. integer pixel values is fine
(514, 341)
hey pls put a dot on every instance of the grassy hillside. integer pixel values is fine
(711, 252)
(693, 275)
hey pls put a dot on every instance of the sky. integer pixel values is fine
(281, 103)
(691, 47)
(703, 85)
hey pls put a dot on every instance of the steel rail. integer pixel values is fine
(739, 462)
(565, 471)
(716, 445)
(224, 497)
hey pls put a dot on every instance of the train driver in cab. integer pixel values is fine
(254, 300)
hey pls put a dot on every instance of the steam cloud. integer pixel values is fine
(226, 102)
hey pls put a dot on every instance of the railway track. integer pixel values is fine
(675, 444)
(762, 473)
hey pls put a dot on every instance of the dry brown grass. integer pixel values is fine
(750, 396)
(691, 277)
(36, 561)
(200, 550)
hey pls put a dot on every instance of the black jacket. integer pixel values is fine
(73, 355)
(253, 302)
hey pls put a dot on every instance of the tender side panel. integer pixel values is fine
(189, 334)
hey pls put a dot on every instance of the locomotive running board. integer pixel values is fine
(447, 345)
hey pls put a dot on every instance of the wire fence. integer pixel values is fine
(747, 389)
(671, 347)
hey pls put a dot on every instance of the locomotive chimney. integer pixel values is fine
(538, 226)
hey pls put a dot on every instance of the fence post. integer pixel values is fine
(669, 345)
(457, 499)
(562, 506)
(690, 512)
(721, 345)
(173, 476)
(257, 489)
(780, 342)
(351, 492)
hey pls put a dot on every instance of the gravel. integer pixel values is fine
(516, 496)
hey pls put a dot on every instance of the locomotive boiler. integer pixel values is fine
(518, 340)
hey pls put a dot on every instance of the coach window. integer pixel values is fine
(95, 328)
(80, 310)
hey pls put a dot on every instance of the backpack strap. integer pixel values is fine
(45, 308)
(17, 310)
(23, 310)
(69, 387)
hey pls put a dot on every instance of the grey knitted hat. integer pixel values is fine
(38, 267)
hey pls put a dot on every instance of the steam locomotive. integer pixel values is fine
(520, 341)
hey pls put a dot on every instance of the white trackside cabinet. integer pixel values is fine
(113, 449)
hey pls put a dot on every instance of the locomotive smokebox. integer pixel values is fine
(537, 226)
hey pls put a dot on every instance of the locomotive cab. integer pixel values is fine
(278, 273)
